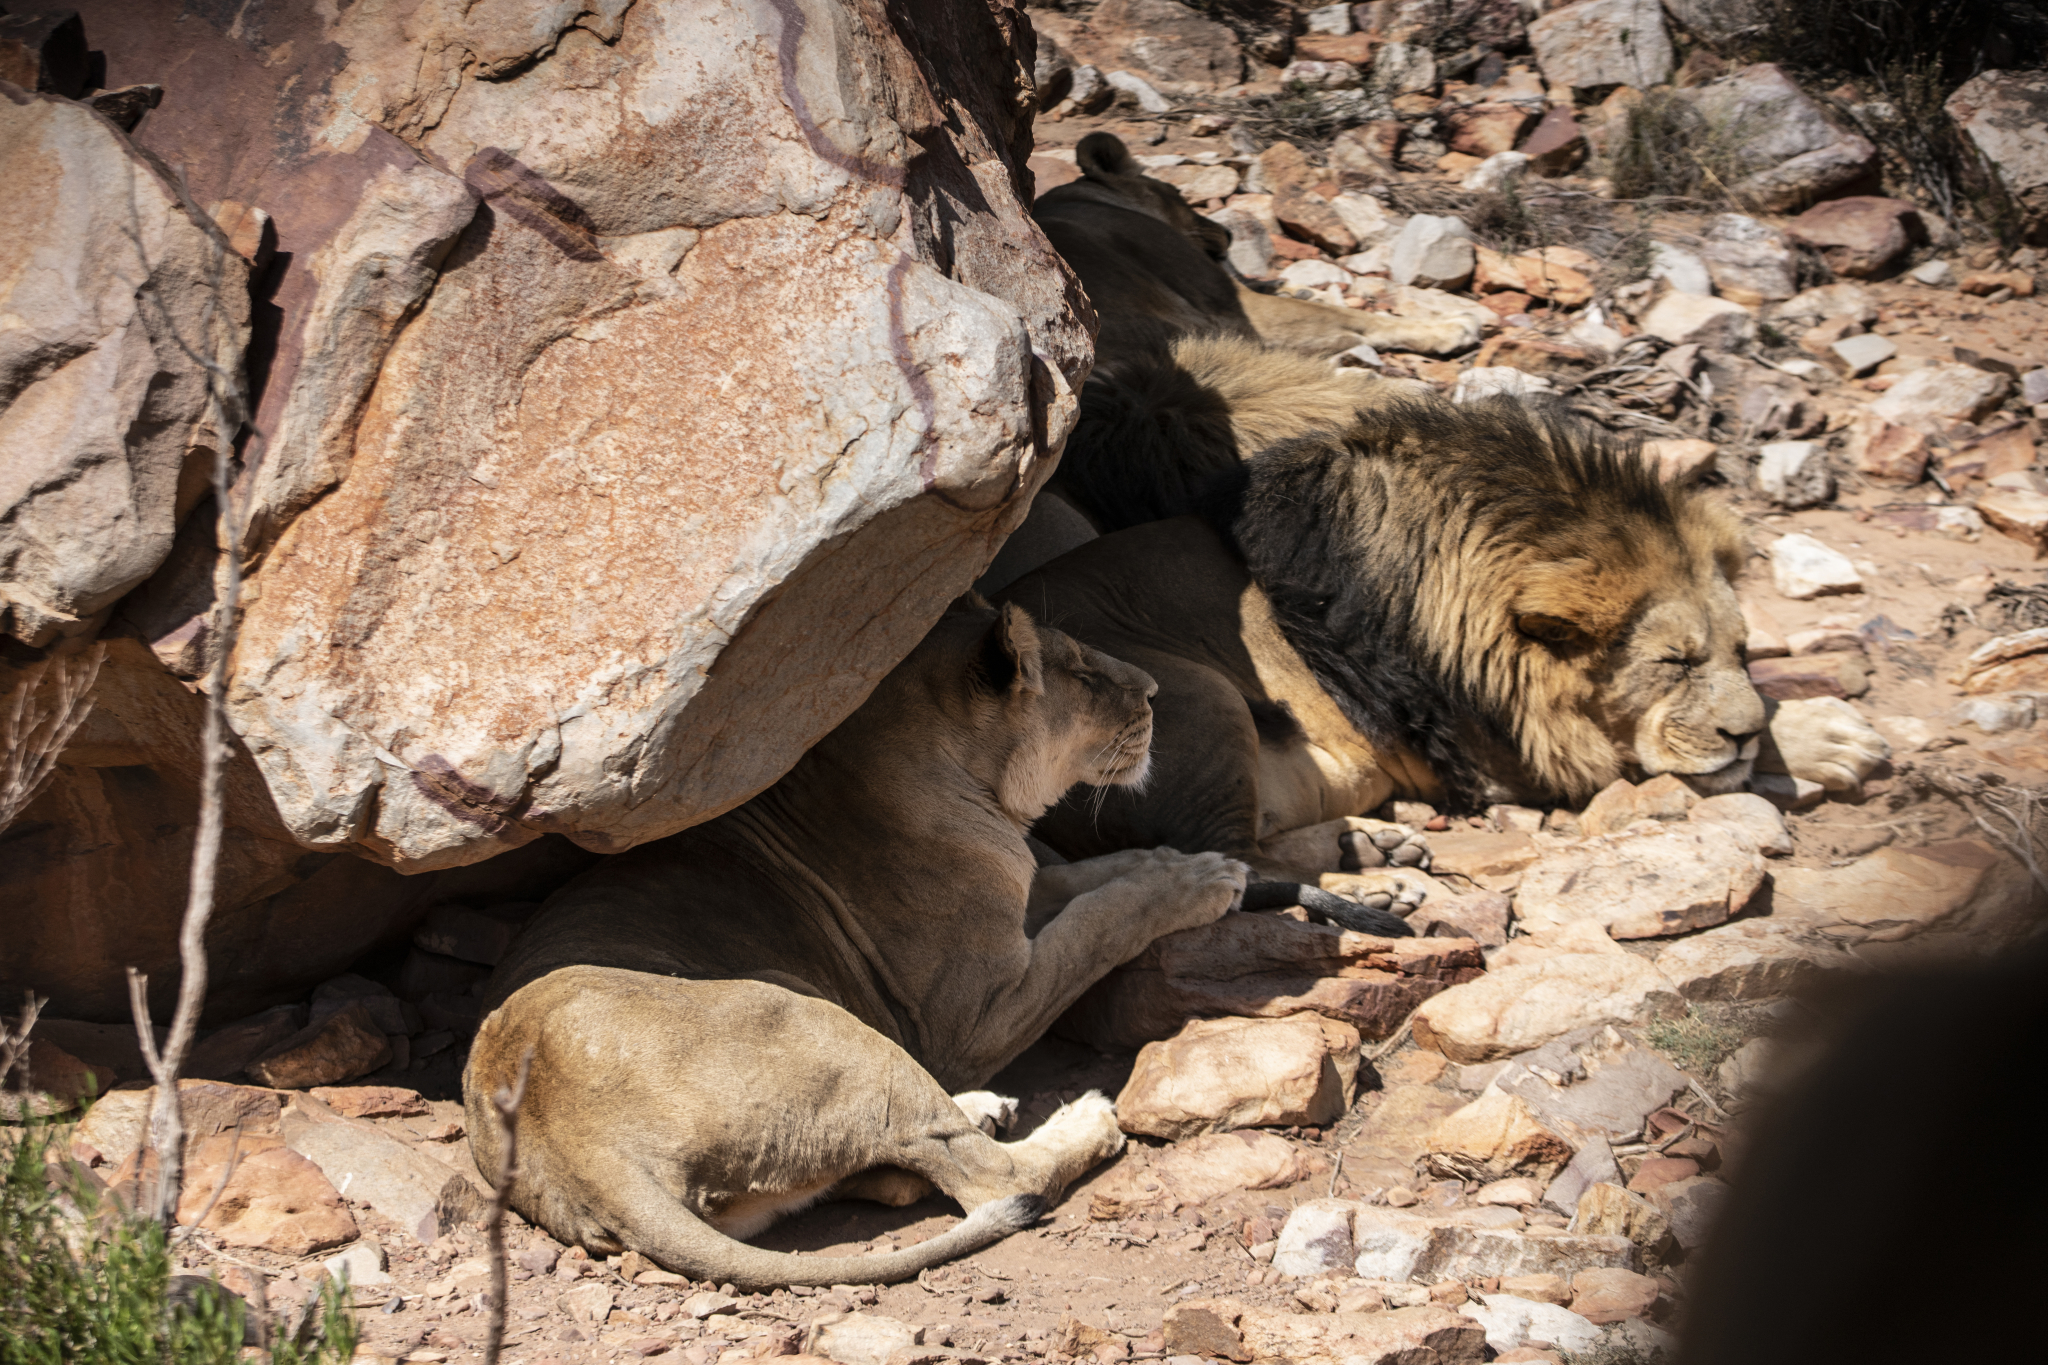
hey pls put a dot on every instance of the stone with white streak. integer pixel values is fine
(1603, 42)
(1803, 568)
(1795, 473)
(123, 318)
(1686, 272)
(2003, 113)
(1750, 262)
(1929, 399)
(1511, 1322)
(1403, 69)
(1689, 319)
(1433, 251)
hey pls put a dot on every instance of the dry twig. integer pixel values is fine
(506, 1105)
(14, 1039)
(34, 728)
(166, 1117)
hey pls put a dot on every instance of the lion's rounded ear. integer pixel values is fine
(1101, 154)
(1011, 659)
(1553, 630)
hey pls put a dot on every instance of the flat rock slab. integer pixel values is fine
(1219, 1074)
(1749, 960)
(1643, 884)
(1603, 1085)
(420, 1194)
(273, 1199)
(1267, 966)
(861, 1338)
(1494, 1136)
(1196, 1171)
(1522, 1006)
(1227, 1330)
(1326, 1235)
(1511, 1322)
(1896, 893)
(344, 1045)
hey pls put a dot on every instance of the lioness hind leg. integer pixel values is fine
(890, 1185)
(896, 1187)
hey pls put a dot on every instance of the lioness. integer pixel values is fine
(1457, 604)
(1155, 271)
(732, 1023)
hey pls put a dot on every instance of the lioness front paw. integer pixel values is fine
(1381, 843)
(1203, 887)
(1826, 740)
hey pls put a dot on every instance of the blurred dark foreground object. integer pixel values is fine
(1895, 1169)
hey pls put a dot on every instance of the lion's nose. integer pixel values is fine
(1739, 740)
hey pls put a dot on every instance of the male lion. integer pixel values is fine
(1192, 369)
(771, 1008)
(1457, 604)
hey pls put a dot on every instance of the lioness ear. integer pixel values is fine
(1552, 630)
(968, 601)
(1101, 154)
(1011, 658)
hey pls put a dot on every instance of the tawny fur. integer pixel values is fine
(731, 1023)
(1457, 604)
(1153, 268)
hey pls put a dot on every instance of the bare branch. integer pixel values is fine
(14, 1040)
(506, 1104)
(34, 727)
(166, 1120)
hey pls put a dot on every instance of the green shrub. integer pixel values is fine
(85, 1282)
(1693, 1042)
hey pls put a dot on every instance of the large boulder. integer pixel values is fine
(1860, 237)
(2005, 113)
(1178, 49)
(1219, 1074)
(1597, 43)
(605, 455)
(1749, 262)
(125, 315)
(1787, 150)
(1717, 21)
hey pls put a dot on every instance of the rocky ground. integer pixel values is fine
(1505, 1139)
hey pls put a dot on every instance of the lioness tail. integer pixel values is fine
(681, 1242)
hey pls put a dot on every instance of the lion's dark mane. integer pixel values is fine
(1337, 531)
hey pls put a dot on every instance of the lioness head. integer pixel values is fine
(1039, 710)
(1518, 599)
